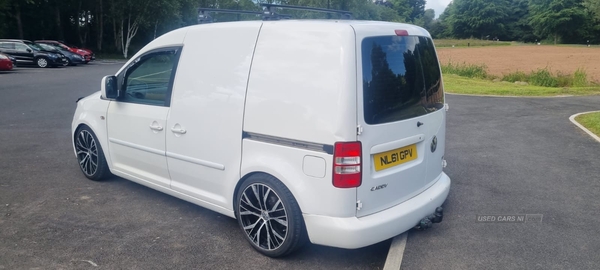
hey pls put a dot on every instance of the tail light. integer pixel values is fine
(347, 164)
(401, 33)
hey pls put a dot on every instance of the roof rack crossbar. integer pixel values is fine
(269, 8)
(204, 13)
(267, 14)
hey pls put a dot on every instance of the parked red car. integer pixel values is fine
(86, 53)
(5, 62)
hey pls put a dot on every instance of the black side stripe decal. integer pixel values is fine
(288, 142)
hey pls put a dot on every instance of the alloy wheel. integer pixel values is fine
(263, 216)
(42, 62)
(87, 152)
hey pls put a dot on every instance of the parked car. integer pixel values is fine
(92, 54)
(26, 52)
(331, 131)
(72, 58)
(12, 59)
(5, 62)
(86, 53)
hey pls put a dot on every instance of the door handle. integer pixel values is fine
(157, 128)
(178, 130)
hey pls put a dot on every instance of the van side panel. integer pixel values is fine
(302, 85)
(314, 193)
(208, 104)
(302, 98)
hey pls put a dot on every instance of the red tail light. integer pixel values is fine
(347, 164)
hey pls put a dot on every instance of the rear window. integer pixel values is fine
(401, 78)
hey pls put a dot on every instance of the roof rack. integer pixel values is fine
(268, 13)
(204, 13)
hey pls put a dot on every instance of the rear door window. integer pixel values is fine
(401, 78)
(7, 45)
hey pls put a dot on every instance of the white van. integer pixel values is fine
(328, 131)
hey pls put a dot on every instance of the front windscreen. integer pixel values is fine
(401, 78)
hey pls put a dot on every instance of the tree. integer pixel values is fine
(440, 28)
(417, 9)
(426, 21)
(556, 18)
(478, 18)
(517, 24)
(593, 6)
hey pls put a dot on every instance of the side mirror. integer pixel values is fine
(109, 89)
(29, 50)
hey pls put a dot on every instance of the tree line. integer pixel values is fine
(124, 26)
(557, 21)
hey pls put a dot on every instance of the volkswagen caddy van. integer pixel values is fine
(327, 131)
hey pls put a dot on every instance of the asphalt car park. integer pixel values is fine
(506, 156)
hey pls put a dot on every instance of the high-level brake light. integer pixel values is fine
(401, 33)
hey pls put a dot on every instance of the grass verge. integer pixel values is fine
(541, 77)
(590, 121)
(461, 85)
(468, 43)
(544, 77)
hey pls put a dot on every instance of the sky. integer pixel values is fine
(438, 5)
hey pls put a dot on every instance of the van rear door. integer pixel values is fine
(400, 115)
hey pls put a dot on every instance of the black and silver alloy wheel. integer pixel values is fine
(263, 216)
(270, 216)
(90, 155)
(87, 152)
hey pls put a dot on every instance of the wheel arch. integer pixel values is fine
(238, 185)
(103, 143)
(91, 112)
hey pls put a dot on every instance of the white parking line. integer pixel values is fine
(394, 257)
(572, 119)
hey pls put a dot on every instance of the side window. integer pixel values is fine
(149, 81)
(21, 47)
(7, 45)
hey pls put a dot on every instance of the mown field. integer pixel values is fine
(502, 60)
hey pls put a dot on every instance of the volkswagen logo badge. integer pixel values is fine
(433, 144)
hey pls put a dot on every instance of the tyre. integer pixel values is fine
(269, 216)
(90, 155)
(70, 63)
(42, 62)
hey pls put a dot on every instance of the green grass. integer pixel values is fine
(462, 85)
(466, 70)
(545, 77)
(541, 77)
(468, 42)
(590, 121)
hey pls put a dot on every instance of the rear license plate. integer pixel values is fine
(395, 157)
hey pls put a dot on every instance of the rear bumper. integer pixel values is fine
(6, 65)
(355, 232)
